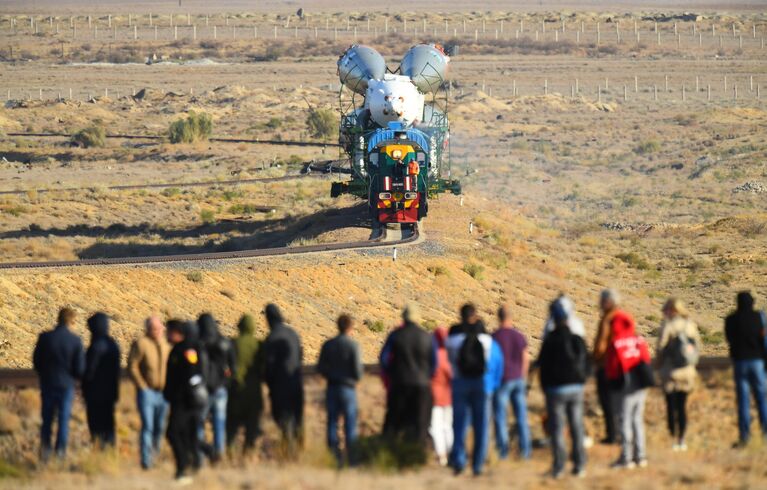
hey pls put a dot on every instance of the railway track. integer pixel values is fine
(27, 378)
(408, 234)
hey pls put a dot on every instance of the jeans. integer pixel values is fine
(56, 402)
(153, 410)
(676, 412)
(217, 411)
(631, 405)
(341, 401)
(470, 403)
(566, 407)
(441, 431)
(515, 391)
(750, 376)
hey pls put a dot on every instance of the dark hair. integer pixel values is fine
(66, 315)
(344, 323)
(467, 311)
(503, 313)
(176, 325)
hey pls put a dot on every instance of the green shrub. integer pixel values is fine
(171, 192)
(389, 455)
(274, 123)
(647, 147)
(376, 326)
(474, 270)
(634, 260)
(195, 276)
(207, 216)
(93, 136)
(322, 123)
(196, 127)
(438, 270)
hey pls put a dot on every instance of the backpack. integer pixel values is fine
(681, 351)
(471, 356)
(624, 354)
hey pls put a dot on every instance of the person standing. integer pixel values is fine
(147, 367)
(246, 402)
(441, 428)
(608, 305)
(477, 363)
(283, 356)
(408, 359)
(221, 367)
(58, 360)
(186, 392)
(563, 363)
(341, 365)
(516, 362)
(627, 359)
(101, 381)
(745, 330)
(676, 356)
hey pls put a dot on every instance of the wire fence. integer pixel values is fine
(707, 35)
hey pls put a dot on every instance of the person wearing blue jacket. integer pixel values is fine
(59, 361)
(477, 362)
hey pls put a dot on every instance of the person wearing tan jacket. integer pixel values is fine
(677, 382)
(147, 366)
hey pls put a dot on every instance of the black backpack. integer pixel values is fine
(471, 356)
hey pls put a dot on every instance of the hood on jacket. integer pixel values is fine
(623, 325)
(273, 315)
(440, 335)
(98, 324)
(191, 331)
(247, 325)
(745, 301)
(208, 328)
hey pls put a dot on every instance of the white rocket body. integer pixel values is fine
(395, 98)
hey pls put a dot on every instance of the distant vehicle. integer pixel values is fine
(398, 136)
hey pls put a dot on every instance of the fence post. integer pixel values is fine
(708, 90)
(658, 35)
(666, 83)
(577, 37)
(625, 94)
(194, 32)
(135, 32)
(697, 84)
(175, 32)
(545, 87)
(636, 84)
(725, 83)
(577, 88)
(598, 34)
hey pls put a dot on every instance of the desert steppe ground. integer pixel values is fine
(651, 178)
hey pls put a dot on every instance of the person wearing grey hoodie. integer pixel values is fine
(101, 381)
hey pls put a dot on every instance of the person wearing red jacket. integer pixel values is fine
(441, 428)
(626, 355)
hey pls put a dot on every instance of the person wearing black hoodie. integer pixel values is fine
(101, 381)
(563, 364)
(283, 356)
(186, 392)
(59, 361)
(222, 366)
(745, 330)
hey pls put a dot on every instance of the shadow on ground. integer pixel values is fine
(268, 233)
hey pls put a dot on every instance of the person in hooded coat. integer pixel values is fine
(283, 356)
(246, 402)
(101, 381)
(221, 367)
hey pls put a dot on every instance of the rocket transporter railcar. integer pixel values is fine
(397, 140)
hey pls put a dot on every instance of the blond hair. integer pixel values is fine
(676, 305)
